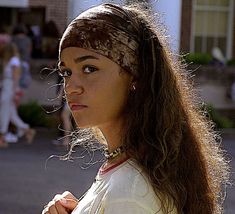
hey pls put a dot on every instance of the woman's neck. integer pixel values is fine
(113, 135)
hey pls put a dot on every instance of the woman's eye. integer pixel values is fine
(89, 69)
(65, 72)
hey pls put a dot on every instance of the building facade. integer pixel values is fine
(206, 24)
(34, 12)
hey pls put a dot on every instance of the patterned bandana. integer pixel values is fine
(106, 30)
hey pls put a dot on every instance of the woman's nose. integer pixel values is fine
(73, 85)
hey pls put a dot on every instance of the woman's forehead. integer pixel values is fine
(79, 55)
(78, 52)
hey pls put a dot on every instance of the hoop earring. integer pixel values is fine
(133, 88)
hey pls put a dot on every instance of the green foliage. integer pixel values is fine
(33, 114)
(197, 58)
(220, 121)
(231, 62)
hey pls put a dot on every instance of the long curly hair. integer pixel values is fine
(166, 130)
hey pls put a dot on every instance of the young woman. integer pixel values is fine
(9, 95)
(120, 79)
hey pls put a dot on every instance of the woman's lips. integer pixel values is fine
(76, 107)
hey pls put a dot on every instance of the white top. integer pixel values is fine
(122, 190)
(8, 71)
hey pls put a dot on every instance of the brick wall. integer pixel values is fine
(56, 10)
(186, 20)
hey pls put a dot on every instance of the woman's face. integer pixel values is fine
(97, 89)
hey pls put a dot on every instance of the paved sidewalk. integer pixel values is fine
(29, 179)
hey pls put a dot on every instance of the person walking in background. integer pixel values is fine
(65, 116)
(50, 40)
(126, 88)
(9, 95)
(4, 39)
(66, 131)
(24, 45)
(233, 91)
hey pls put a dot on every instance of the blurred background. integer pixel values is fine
(201, 32)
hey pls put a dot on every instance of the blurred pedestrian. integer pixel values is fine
(218, 58)
(50, 41)
(24, 45)
(10, 94)
(23, 42)
(65, 116)
(122, 82)
(66, 131)
(233, 91)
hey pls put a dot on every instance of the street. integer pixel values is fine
(229, 145)
(30, 178)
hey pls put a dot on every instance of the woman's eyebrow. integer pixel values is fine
(83, 58)
(79, 59)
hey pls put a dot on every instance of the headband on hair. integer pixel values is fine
(106, 30)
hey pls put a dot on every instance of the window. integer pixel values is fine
(212, 26)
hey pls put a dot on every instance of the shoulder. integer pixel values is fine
(129, 176)
(129, 185)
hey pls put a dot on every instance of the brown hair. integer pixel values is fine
(165, 131)
(8, 51)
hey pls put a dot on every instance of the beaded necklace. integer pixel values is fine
(114, 154)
